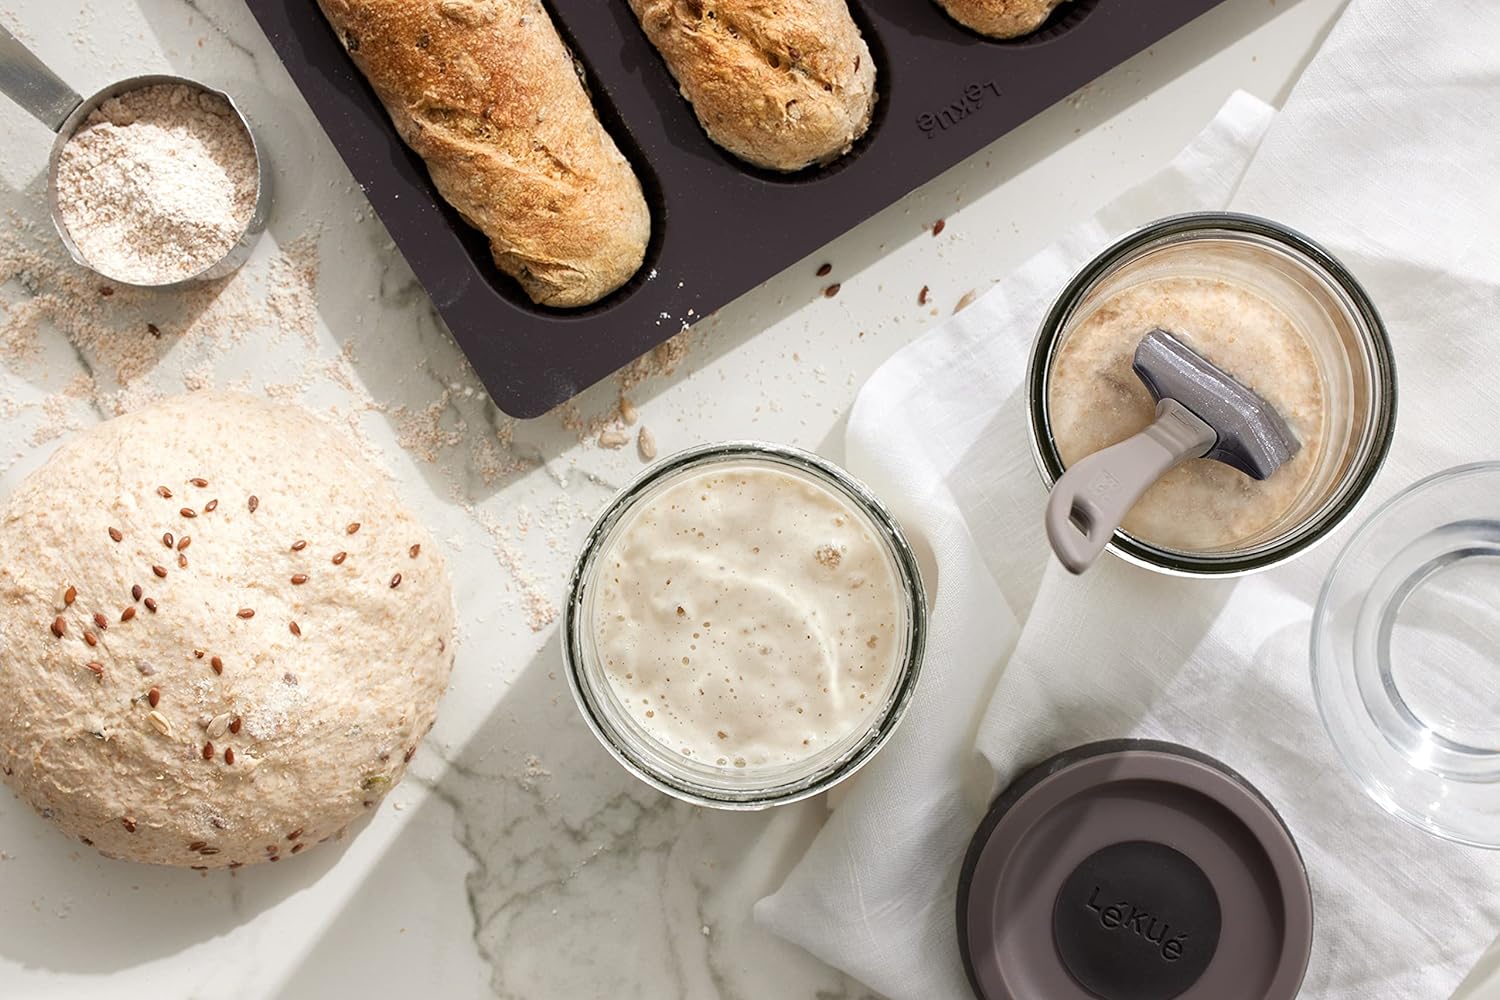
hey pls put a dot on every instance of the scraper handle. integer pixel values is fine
(1092, 497)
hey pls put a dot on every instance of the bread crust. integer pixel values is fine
(1001, 18)
(781, 84)
(487, 93)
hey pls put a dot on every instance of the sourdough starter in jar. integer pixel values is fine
(1096, 400)
(748, 617)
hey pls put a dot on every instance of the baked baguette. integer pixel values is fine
(1001, 18)
(487, 93)
(782, 84)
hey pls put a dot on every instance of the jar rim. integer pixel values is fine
(910, 585)
(1364, 318)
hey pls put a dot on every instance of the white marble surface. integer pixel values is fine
(517, 860)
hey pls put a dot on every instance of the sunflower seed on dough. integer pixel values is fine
(218, 726)
(160, 724)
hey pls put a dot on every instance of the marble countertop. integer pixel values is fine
(517, 859)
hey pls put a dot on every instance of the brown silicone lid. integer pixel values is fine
(1134, 870)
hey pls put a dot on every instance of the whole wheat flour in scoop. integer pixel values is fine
(157, 184)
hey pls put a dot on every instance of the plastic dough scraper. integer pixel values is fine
(1201, 412)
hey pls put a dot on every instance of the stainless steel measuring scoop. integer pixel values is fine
(26, 80)
(1201, 412)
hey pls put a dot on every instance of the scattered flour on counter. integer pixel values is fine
(125, 333)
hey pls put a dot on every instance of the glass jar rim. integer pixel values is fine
(1322, 263)
(904, 562)
(1383, 771)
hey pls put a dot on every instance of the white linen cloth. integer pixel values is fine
(1388, 153)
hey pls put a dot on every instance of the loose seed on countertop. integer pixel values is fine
(937, 227)
(246, 612)
(395, 581)
(299, 545)
(353, 527)
(167, 539)
(825, 270)
(114, 534)
(184, 542)
(298, 579)
(414, 551)
(211, 506)
(188, 512)
(234, 727)
(100, 620)
(59, 627)
(832, 290)
(296, 629)
(339, 557)
(69, 596)
(127, 614)
(164, 493)
(136, 592)
(154, 697)
(253, 503)
(160, 571)
(159, 723)
(151, 605)
(199, 482)
(208, 751)
(217, 664)
(229, 755)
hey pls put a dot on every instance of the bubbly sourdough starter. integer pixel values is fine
(1096, 400)
(747, 617)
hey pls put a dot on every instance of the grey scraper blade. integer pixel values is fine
(1252, 436)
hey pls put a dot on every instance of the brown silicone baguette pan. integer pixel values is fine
(719, 227)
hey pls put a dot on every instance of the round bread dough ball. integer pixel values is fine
(221, 634)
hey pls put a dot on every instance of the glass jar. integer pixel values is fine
(1405, 639)
(1334, 316)
(698, 781)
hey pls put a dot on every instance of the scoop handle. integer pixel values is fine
(1092, 497)
(26, 80)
